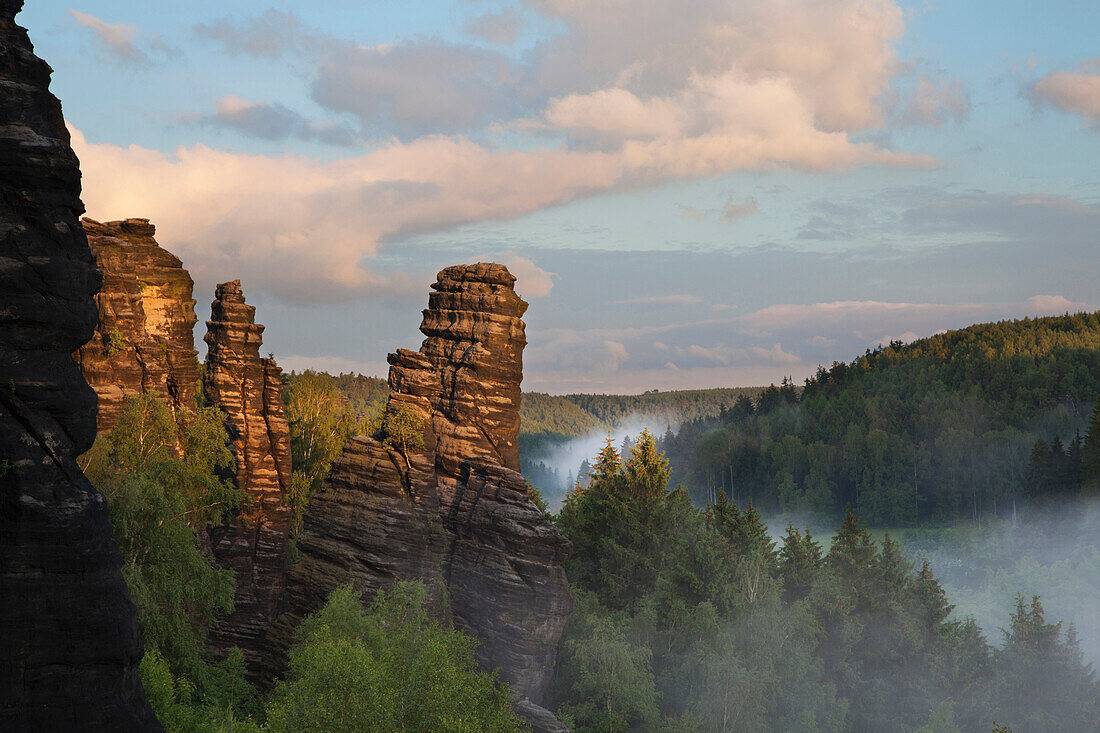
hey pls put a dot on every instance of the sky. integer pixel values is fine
(701, 194)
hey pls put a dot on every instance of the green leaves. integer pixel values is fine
(387, 669)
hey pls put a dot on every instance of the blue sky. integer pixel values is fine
(693, 195)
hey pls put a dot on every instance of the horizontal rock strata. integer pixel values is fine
(145, 338)
(69, 644)
(454, 512)
(254, 542)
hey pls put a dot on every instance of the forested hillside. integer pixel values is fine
(939, 429)
(547, 419)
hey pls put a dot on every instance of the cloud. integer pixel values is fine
(934, 102)
(691, 213)
(733, 211)
(850, 312)
(304, 227)
(501, 28)
(117, 39)
(531, 280)
(719, 73)
(417, 88)
(272, 122)
(674, 300)
(1072, 91)
(628, 95)
(273, 35)
(775, 355)
(1046, 305)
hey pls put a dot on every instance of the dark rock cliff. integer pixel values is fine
(69, 645)
(455, 513)
(145, 339)
(254, 542)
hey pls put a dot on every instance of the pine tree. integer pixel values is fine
(647, 470)
(853, 551)
(799, 564)
(1090, 454)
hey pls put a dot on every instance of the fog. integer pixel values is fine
(565, 458)
(1053, 553)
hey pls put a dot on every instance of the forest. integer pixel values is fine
(692, 614)
(937, 430)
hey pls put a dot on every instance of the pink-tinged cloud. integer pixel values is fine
(305, 228)
(116, 38)
(1072, 91)
(934, 102)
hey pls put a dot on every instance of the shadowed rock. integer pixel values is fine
(145, 338)
(456, 513)
(254, 543)
(69, 645)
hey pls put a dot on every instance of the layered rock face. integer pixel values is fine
(455, 513)
(69, 645)
(254, 543)
(145, 338)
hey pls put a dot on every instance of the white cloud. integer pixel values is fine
(1077, 92)
(630, 95)
(117, 39)
(775, 354)
(531, 280)
(1048, 305)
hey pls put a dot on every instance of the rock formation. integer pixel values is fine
(145, 339)
(454, 513)
(254, 543)
(69, 645)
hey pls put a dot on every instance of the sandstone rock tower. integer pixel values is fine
(455, 513)
(145, 338)
(69, 645)
(254, 543)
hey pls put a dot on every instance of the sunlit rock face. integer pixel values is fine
(145, 338)
(69, 645)
(455, 512)
(253, 543)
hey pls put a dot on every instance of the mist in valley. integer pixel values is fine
(1053, 552)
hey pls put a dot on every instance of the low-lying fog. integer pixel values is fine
(1053, 553)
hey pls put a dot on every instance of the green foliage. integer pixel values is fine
(617, 521)
(537, 499)
(609, 683)
(113, 342)
(177, 704)
(1043, 682)
(162, 484)
(386, 669)
(935, 430)
(403, 429)
(321, 418)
